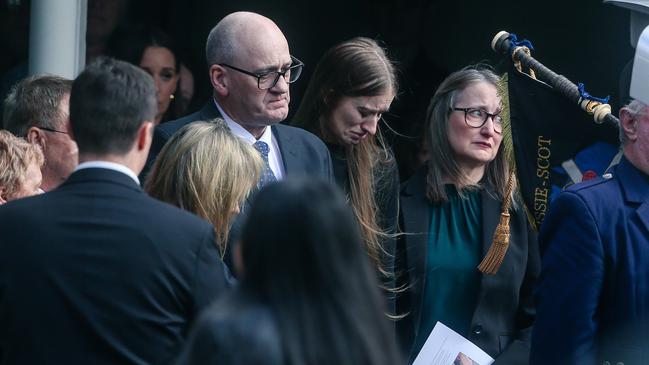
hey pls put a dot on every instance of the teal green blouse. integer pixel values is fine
(453, 254)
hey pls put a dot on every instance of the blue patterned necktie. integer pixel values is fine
(267, 175)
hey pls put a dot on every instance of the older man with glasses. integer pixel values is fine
(37, 109)
(250, 69)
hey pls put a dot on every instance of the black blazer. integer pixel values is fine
(502, 321)
(164, 131)
(236, 330)
(97, 272)
(302, 152)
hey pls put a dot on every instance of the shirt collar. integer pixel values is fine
(241, 132)
(110, 166)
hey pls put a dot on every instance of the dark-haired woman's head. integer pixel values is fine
(302, 255)
(300, 227)
(156, 53)
(465, 130)
(352, 85)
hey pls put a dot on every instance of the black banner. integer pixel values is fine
(555, 143)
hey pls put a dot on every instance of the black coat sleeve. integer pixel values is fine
(211, 275)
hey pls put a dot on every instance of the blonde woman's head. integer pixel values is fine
(20, 167)
(208, 171)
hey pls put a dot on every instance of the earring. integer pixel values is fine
(171, 97)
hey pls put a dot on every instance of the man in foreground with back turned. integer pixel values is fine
(97, 272)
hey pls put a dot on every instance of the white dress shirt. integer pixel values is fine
(274, 155)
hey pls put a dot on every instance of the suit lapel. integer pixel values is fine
(287, 149)
(490, 217)
(209, 112)
(416, 213)
(635, 186)
(643, 214)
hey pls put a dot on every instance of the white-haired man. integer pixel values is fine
(593, 295)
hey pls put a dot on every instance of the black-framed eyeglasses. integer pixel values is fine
(268, 80)
(477, 117)
(52, 130)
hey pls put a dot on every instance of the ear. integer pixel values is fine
(145, 135)
(68, 128)
(36, 136)
(219, 80)
(628, 125)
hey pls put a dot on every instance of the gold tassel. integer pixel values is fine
(496, 254)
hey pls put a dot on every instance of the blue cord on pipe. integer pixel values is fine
(514, 42)
(587, 96)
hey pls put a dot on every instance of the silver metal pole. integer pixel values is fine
(57, 38)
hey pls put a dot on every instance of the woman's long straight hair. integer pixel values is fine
(315, 276)
(357, 67)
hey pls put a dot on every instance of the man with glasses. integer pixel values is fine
(250, 69)
(37, 109)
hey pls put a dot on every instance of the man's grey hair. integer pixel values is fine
(219, 47)
(35, 101)
(635, 109)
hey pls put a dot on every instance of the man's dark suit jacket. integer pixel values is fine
(235, 330)
(97, 272)
(502, 320)
(303, 153)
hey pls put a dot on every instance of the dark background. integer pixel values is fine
(586, 41)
